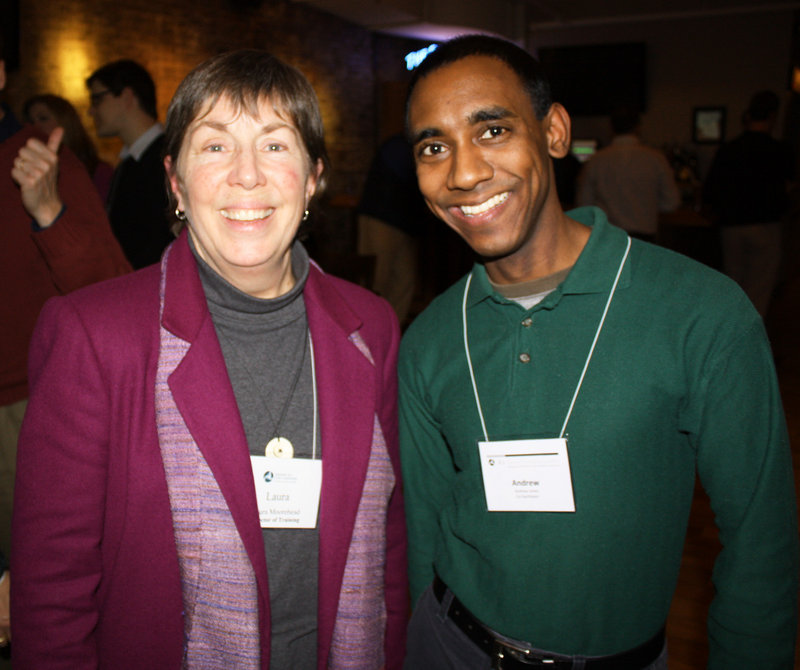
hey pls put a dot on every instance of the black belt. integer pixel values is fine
(507, 656)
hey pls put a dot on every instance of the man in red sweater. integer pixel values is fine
(54, 237)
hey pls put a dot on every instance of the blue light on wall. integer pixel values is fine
(414, 58)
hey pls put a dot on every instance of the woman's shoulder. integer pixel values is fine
(114, 322)
(119, 303)
(354, 307)
(361, 300)
(131, 287)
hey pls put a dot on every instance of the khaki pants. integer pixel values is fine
(395, 262)
(751, 255)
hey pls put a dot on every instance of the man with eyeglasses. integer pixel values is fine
(123, 104)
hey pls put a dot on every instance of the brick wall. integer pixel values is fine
(63, 41)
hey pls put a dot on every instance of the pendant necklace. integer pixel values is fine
(278, 446)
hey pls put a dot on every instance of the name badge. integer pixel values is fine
(527, 475)
(287, 491)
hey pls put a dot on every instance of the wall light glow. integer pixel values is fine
(72, 63)
(414, 58)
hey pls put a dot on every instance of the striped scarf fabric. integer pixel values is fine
(358, 634)
(220, 600)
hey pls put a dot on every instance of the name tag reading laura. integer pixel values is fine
(527, 475)
(287, 491)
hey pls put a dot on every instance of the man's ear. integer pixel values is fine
(558, 128)
(2, 74)
(129, 98)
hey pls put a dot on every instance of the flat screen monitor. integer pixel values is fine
(583, 150)
(593, 80)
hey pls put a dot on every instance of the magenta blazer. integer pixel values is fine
(95, 568)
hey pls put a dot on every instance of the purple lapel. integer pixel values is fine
(204, 396)
(346, 397)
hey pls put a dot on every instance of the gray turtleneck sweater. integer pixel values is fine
(265, 346)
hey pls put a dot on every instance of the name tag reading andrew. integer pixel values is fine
(287, 490)
(527, 475)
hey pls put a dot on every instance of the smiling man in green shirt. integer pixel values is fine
(557, 403)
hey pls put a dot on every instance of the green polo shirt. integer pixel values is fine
(681, 382)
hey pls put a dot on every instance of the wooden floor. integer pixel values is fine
(686, 627)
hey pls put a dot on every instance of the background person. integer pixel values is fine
(631, 182)
(46, 112)
(391, 216)
(54, 238)
(235, 345)
(747, 190)
(123, 104)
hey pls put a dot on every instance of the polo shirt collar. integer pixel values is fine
(593, 272)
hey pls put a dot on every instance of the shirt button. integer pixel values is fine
(525, 358)
(527, 322)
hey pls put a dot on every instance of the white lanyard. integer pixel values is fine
(585, 366)
(313, 397)
(288, 489)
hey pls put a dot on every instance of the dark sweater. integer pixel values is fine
(138, 206)
(748, 179)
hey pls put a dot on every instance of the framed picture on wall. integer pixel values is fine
(708, 125)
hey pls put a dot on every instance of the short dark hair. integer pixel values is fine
(525, 66)
(763, 105)
(247, 77)
(122, 74)
(624, 119)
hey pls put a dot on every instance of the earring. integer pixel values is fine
(305, 215)
(179, 214)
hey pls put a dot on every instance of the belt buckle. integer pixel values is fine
(503, 650)
(498, 654)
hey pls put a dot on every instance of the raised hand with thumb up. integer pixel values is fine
(36, 171)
